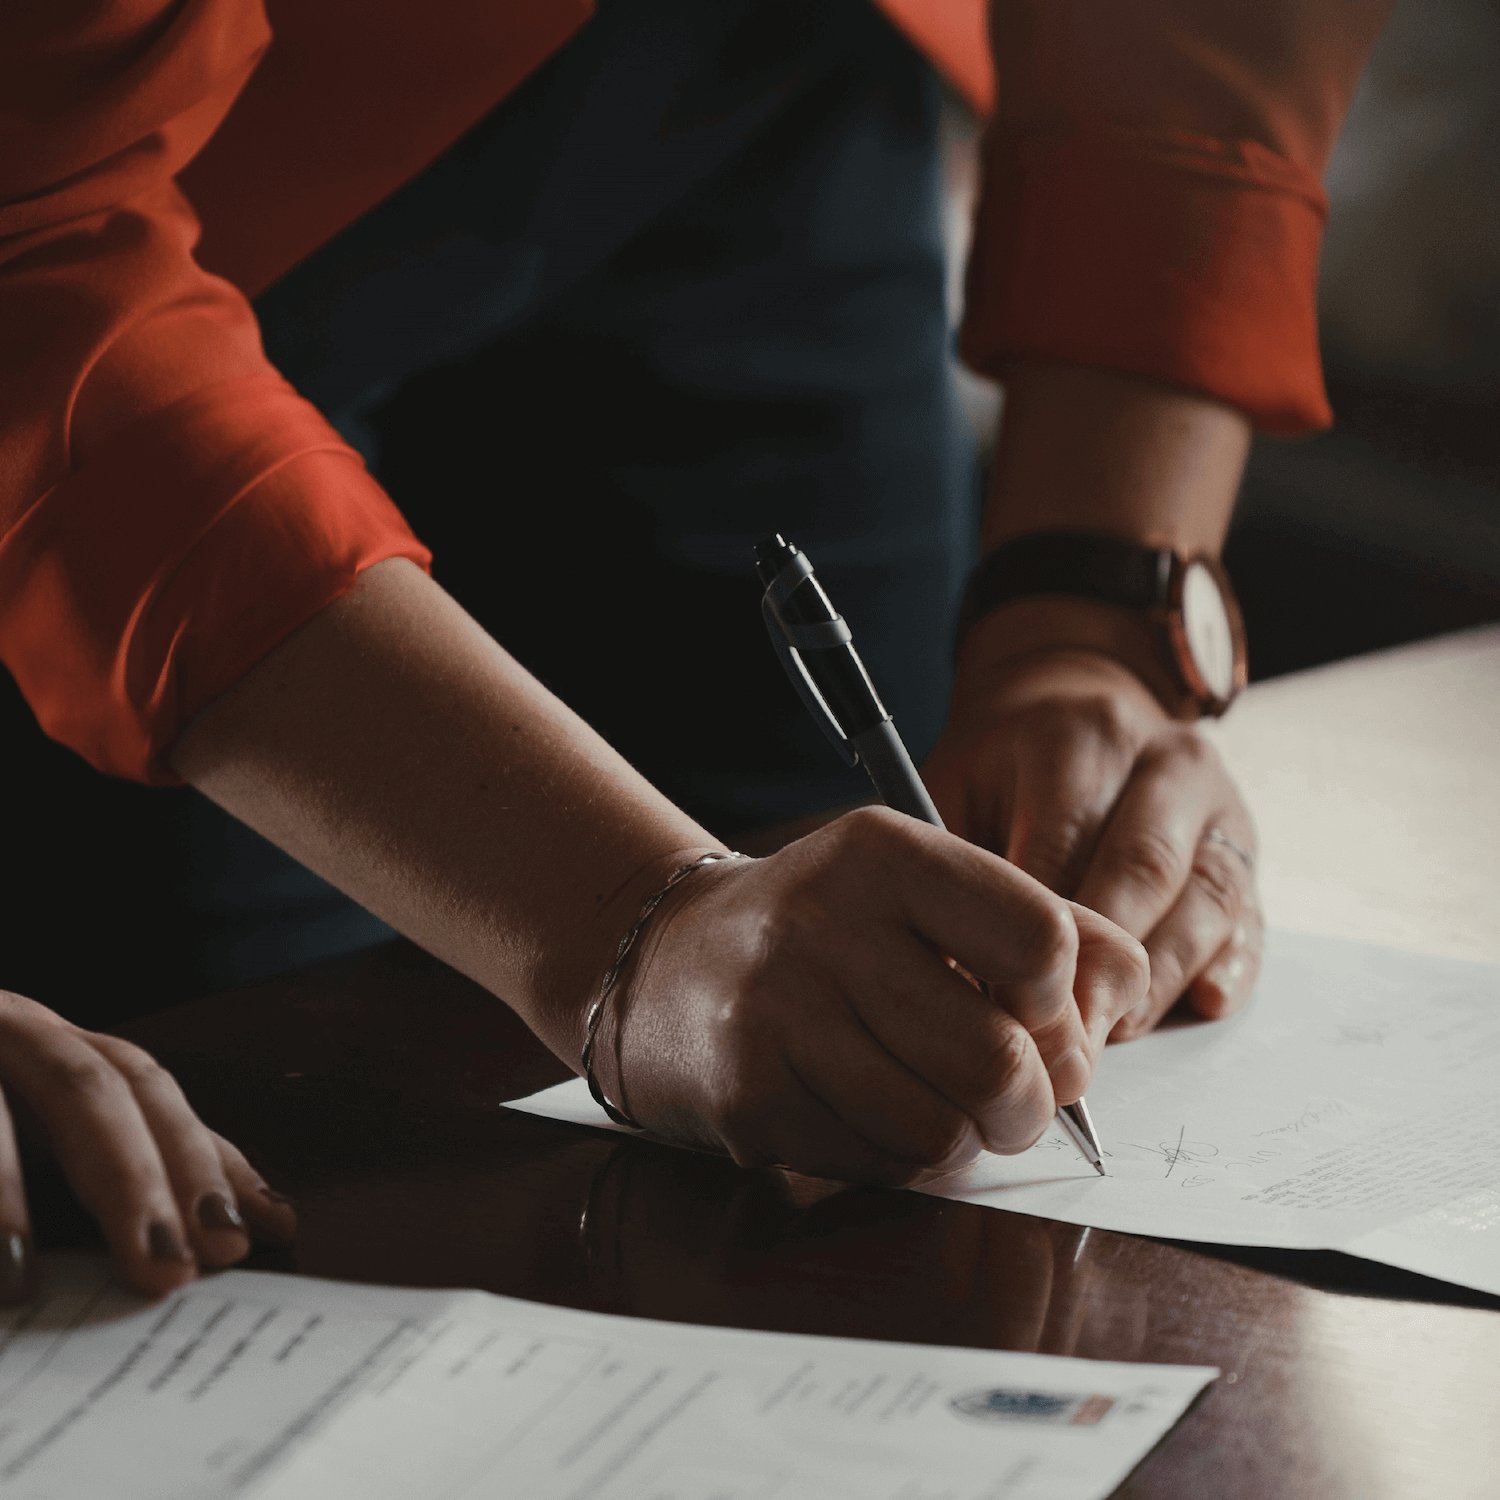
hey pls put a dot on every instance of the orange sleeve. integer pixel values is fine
(169, 508)
(950, 33)
(1153, 198)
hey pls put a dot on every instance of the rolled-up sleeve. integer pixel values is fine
(1152, 199)
(170, 509)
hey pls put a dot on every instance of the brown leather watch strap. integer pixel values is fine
(1071, 564)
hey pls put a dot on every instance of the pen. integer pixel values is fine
(817, 650)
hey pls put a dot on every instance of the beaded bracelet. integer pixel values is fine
(612, 974)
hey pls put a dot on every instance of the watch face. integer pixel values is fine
(1209, 635)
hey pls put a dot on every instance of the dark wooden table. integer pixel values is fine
(370, 1090)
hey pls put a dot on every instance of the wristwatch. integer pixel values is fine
(1187, 601)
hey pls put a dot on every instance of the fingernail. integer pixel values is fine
(215, 1211)
(272, 1196)
(15, 1268)
(164, 1243)
(1232, 972)
(1069, 1074)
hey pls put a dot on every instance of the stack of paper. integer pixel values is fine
(285, 1388)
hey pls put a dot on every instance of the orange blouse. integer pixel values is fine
(170, 509)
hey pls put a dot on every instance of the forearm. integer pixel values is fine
(1059, 753)
(1085, 449)
(394, 748)
(791, 1011)
(1090, 449)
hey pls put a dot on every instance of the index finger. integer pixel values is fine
(1002, 925)
(1145, 854)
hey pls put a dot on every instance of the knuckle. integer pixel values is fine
(1218, 877)
(856, 847)
(865, 826)
(23, 1020)
(76, 1072)
(1107, 719)
(998, 1063)
(139, 1069)
(1058, 855)
(1151, 858)
(1067, 721)
(1050, 936)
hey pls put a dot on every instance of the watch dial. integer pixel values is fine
(1205, 623)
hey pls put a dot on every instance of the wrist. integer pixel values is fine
(597, 947)
(601, 1061)
(1025, 629)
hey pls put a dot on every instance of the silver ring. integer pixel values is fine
(1218, 836)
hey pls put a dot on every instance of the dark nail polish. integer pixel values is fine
(15, 1267)
(165, 1244)
(216, 1212)
(272, 1196)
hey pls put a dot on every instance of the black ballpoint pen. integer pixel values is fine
(817, 650)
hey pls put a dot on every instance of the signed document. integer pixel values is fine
(1355, 1106)
(287, 1388)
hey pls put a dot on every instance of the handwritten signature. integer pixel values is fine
(1315, 1114)
(1174, 1153)
(1186, 1153)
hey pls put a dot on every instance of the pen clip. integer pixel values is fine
(786, 638)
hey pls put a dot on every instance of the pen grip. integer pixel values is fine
(895, 777)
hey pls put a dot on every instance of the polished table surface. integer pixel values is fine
(369, 1089)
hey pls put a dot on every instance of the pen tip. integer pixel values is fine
(1099, 1168)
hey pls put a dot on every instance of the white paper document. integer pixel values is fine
(286, 1388)
(1355, 1106)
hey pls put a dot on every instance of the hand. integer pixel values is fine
(798, 1009)
(1062, 761)
(169, 1194)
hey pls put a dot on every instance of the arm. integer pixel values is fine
(158, 473)
(1143, 281)
(153, 470)
(780, 1009)
(1062, 750)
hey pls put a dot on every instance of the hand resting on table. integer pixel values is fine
(169, 1194)
(1065, 763)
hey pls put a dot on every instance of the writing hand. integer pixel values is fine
(1065, 763)
(169, 1194)
(798, 1009)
